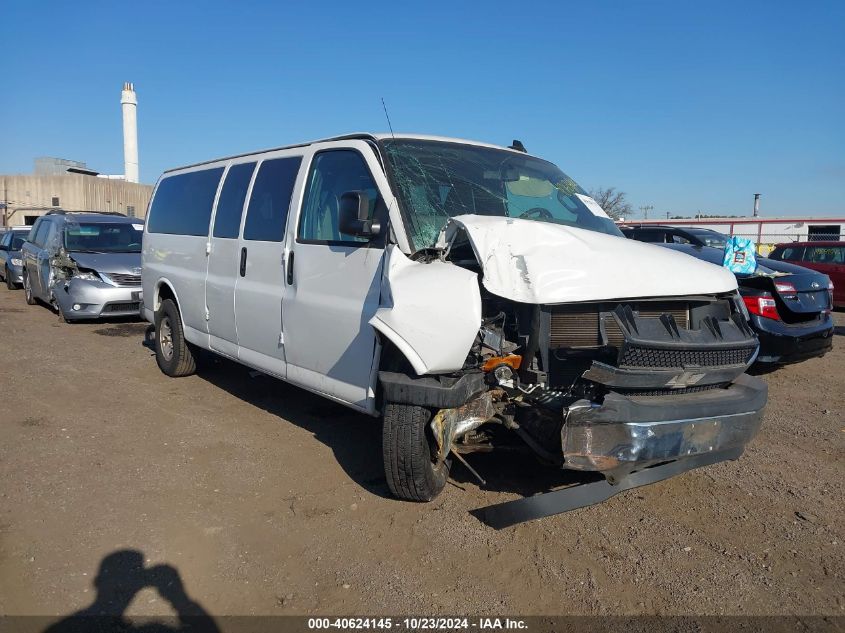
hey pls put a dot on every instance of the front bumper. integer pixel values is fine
(625, 434)
(96, 299)
(784, 343)
(16, 273)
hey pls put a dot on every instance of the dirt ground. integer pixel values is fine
(265, 499)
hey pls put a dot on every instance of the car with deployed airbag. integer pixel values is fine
(472, 296)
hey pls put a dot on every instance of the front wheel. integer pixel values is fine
(9, 283)
(27, 290)
(173, 353)
(409, 464)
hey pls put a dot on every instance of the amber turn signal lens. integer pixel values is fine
(511, 360)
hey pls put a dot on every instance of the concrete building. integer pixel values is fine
(59, 183)
(26, 197)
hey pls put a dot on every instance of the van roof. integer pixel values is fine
(365, 136)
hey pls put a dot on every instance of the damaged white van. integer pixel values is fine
(473, 296)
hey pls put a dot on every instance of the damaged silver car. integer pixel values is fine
(471, 295)
(85, 265)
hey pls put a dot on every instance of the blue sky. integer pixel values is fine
(685, 106)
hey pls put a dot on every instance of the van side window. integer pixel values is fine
(230, 205)
(333, 173)
(182, 203)
(270, 199)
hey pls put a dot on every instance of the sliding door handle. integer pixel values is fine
(290, 269)
(243, 261)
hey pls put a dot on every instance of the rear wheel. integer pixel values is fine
(173, 353)
(409, 464)
(27, 290)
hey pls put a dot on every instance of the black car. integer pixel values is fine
(660, 234)
(789, 306)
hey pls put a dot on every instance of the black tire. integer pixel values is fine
(173, 353)
(408, 458)
(9, 283)
(27, 290)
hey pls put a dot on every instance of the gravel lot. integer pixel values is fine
(268, 500)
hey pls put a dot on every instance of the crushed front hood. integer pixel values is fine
(539, 262)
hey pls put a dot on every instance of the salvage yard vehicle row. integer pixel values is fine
(471, 295)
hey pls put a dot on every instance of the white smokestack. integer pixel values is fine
(129, 103)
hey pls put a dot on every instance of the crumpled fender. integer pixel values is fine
(430, 311)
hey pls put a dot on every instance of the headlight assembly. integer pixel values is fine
(86, 275)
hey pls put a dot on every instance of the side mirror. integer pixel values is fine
(354, 216)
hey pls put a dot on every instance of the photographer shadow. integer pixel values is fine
(119, 579)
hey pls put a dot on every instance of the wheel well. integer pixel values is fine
(164, 292)
(392, 359)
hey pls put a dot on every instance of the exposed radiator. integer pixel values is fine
(578, 326)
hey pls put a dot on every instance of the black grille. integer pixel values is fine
(636, 356)
(122, 307)
(669, 392)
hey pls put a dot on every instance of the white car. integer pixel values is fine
(468, 294)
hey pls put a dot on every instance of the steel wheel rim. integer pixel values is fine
(165, 338)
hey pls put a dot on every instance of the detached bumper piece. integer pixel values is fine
(634, 441)
(511, 513)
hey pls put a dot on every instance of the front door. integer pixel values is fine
(260, 282)
(224, 259)
(334, 282)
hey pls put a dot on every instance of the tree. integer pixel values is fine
(612, 201)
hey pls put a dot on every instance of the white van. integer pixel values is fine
(473, 296)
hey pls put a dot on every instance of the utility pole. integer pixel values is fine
(645, 211)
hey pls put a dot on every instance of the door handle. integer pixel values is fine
(243, 261)
(290, 269)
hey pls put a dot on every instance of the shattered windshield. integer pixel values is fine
(437, 180)
(103, 237)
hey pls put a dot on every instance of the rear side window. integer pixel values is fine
(182, 203)
(40, 232)
(270, 199)
(230, 206)
(825, 254)
(651, 236)
(790, 253)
